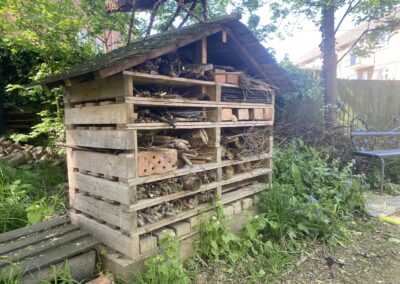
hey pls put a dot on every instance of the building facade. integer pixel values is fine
(383, 63)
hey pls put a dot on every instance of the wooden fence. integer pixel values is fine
(376, 101)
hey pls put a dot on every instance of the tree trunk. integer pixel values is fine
(329, 64)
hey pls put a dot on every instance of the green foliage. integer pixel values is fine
(307, 82)
(165, 266)
(246, 253)
(216, 240)
(30, 193)
(52, 128)
(313, 195)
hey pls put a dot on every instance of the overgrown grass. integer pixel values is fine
(30, 194)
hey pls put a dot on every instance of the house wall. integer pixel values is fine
(382, 64)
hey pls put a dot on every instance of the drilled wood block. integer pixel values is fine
(268, 113)
(226, 114)
(147, 243)
(157, 162)
(181, 228)
(256, 114)
(242, 114)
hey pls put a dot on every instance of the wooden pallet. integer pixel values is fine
(103, 158)
(35, 247)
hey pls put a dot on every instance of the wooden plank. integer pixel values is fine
(226, 198)
(143, 78)
(111, 190)
(197, 168)
(128, 246)
(102, 114)
(110, 139)
(99, 209)
(145, 203)
(107, 88)
(141, 101)
(53, 256)
(247, 175)
(241, 48)
(23, 242)
(41, 247)
(8, 236)
(201, 51)
(196, 125)
(122, 165)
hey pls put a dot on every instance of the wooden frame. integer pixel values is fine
(103, 156)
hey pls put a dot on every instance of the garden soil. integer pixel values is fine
(371, 255)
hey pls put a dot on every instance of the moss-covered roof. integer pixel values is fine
(141, 50)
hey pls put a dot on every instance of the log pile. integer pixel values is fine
(169, 115)
(16, 154)
(238, 145)
(171, 94)
(173, 185)
(172, 208)
(229, 171)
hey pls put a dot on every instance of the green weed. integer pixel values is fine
(30, 193)
(312, 195)
(164, 267)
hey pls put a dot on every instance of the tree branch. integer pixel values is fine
(354, 44)
(172, 19)
(194, 3)
(154, 10)
(348, 11)
(131, 22)
(181, 3)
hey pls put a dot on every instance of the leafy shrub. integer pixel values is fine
(30, 193)
(312, 195)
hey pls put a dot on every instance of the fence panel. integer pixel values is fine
(378, 102)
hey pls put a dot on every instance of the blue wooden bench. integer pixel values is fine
(368, 142)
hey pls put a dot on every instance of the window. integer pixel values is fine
(353, 59)
(383, 38)
(382, 74)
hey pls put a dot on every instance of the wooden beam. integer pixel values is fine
(201, 51)
(224, 36)
(246, 54)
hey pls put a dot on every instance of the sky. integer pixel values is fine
(305, 36)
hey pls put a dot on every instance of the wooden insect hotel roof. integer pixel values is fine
(159, 130)
(261, 63)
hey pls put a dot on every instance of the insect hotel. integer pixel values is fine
(158, 130)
